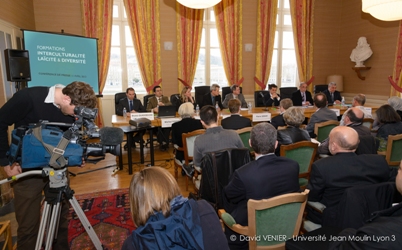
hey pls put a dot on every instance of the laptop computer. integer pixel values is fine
(166, 111)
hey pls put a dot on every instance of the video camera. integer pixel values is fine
(48, 144)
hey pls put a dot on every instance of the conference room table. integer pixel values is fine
(118, 121)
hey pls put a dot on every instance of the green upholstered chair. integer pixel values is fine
(244, 134)
(304, 153)
(322, 129)
(271, 221)
(393, 154)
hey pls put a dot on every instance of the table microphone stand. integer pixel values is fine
(57, 190)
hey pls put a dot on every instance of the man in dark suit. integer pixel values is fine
(385, 224)
(268, 176)
(213, 97)
(272, 98)
(132, 105)
(333, 96)
(234, 95)
(235, 121)
(278, 120)
(302, 97)
(331, 176)
(321, 115)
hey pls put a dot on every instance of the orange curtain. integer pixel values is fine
(266, 26)
(143, 16)
(302, 12)
(228, 16)
(189, 30)
(97, 23)
(396, 78)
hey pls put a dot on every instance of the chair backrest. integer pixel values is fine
(227, 90)
(188, 144)
(146, 97)
(322, 129)
(258, 97)
(117, 97)
(394, 150)
(217, 167)
(320, 88)
(279, 217)
(358, 203)
(244, 134)
(175, 100)
(304, 153)
(286, 92)
(200, 91)
(368, 122)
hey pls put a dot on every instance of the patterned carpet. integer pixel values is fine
(109, 214)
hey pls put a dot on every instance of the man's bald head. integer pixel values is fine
(343, 139)
(354, 115)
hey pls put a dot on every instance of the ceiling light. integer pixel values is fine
(198, 4)
(385, 10)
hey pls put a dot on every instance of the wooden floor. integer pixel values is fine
(100, 176)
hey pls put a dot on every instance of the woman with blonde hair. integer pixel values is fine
(185, 95)
(166, 220)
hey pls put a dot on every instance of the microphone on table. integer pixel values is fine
(263, 101)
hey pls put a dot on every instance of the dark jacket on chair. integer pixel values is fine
(184, 126)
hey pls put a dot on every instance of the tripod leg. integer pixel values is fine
(42, 227)
(52, 227)
(85, 223)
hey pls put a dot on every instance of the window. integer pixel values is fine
(123, 71)
(284, 66)
(210, 66)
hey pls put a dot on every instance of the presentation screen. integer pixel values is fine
(59, 58)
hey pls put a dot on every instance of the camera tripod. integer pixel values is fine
(57, 190)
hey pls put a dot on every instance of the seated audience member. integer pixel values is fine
(185, 96)
(390, 124)
(385, 224)
(302, 97)
(166, 220)
(235, 120)
(322, 114)
(354, 119)
(331, 176)
(234, 95)
(152, 106)
(396, 103)
(272, 98)
(293, 117)
(278, 120)
(132, 105)
(358, 101)
(333, 96)
(187, 124)
(215, 138)
(266, 177)
(213, 97)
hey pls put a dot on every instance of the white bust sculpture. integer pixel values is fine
(361, 53)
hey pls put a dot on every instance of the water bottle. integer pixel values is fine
(197, 109)
(343, 102)
(124, 112)
(250, 107)
(216, 105)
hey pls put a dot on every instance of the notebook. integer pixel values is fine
(166, 111)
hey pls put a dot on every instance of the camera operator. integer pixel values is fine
(30, 105)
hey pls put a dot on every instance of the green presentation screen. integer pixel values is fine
(60, 58)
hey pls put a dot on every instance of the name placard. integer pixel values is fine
(148, 115)
(337, 111)
(367, 109)
(167, 122)
(261, 117)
